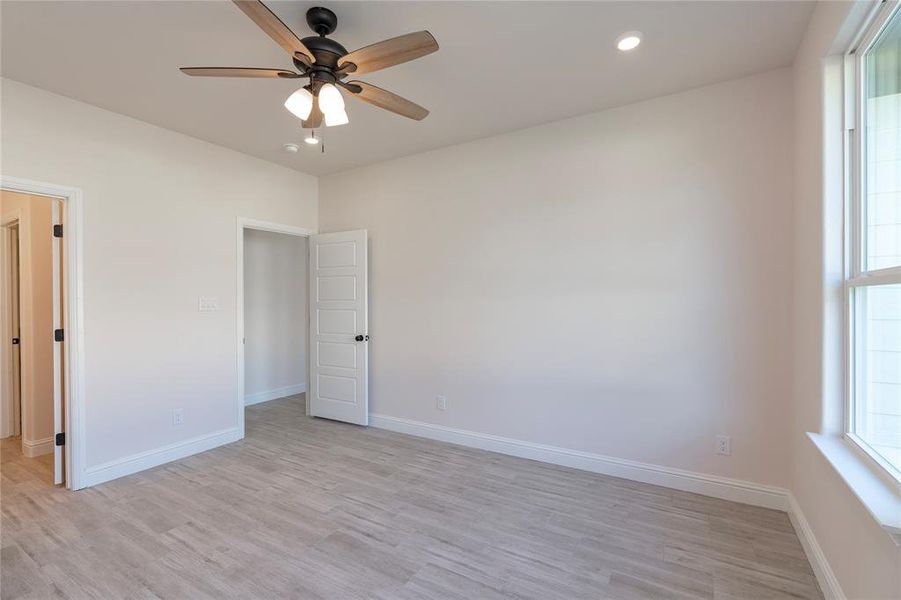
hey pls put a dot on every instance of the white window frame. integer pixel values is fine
(855, 238)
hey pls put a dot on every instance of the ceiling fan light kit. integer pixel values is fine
(327, 64)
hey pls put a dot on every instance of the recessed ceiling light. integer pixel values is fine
(311, 139)
(289, 147)
(628, 41)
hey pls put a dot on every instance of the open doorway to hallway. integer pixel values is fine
(31, 284)
(275, 304)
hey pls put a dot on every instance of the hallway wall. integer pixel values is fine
(275, 315)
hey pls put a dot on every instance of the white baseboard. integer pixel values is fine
(37, 447)
(829, 584)
(700, 483)
(153, 458)
(274, 394)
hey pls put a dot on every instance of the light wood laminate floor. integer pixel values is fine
(304, 508)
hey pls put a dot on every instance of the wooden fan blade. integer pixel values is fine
(315, 118)
(389, 52)
(389, 101)
(275, 28)
(238, 72)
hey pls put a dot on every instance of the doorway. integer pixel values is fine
(272, 303)
(336, 350)
(33, 399)
(275, 309)
(71, 350)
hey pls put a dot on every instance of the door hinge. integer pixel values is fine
(58, 231)
(61, 439)
(58, 335)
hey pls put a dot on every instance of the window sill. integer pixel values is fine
(881, 498)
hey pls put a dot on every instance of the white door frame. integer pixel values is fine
(73, 314)
(244, 223)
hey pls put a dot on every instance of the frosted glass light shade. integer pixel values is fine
(336, 118)
(300, 103)
(330, 100)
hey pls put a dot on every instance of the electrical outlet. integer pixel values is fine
(441, 402)
(724, 445)
(178, 416)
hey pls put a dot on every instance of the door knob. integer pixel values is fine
(15, 341)
(362, 338)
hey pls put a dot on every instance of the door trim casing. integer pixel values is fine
(242, 224)
(73, 298)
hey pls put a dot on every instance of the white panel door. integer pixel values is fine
(339, 336)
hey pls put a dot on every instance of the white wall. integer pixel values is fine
(36, 316)
(865, 561)
(615, 283)
(160, 213)
(275, 315)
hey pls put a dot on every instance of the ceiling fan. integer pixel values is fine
(327, 64)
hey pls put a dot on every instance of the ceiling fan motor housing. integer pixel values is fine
(325, 50)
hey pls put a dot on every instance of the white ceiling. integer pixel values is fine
(502, 65)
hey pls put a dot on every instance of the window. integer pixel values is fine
(874, 244)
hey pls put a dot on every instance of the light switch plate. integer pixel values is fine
(207, 303)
